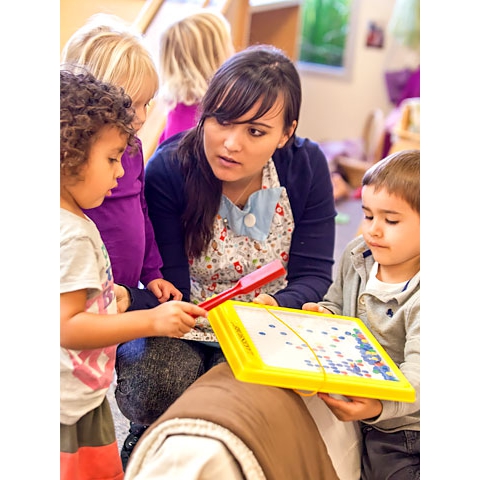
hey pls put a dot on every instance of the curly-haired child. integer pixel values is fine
(95, 129)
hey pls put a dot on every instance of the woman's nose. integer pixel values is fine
(232, 141)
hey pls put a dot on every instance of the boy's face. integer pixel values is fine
(103, 168)
(391, 229)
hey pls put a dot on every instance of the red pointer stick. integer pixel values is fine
(249, 282)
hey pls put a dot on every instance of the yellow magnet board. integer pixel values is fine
(307, 351)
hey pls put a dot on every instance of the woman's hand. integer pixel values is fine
(315, 307)
(265, 299)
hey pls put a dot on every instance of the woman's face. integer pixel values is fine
(237, 150)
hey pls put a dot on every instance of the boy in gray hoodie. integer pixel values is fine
(378, 281)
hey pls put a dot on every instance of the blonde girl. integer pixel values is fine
(107, 49)
(191, 51)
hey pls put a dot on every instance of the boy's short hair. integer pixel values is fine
(88, 105)
(398, 174)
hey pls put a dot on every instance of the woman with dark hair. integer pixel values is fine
(226, 197)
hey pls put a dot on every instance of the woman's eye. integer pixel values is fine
(255, 132)
(113, 160)
(368, 217)
(391, 222)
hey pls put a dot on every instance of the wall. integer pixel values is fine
(74, 13)
(335, 108)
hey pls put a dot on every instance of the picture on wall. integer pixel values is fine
(375, 35)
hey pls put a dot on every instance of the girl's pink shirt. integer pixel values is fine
(181, 118)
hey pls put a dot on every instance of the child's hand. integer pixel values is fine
(352, 408)
(265, 299)
(315, 307)
(175, 318)
(163, 289)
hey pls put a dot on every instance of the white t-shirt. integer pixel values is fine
(85, 375)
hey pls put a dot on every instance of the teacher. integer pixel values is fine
(226, 197)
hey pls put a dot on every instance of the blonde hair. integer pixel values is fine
(106, 48)
(191, 51)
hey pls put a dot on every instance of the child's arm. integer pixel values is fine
(134, 298)
(83, 330)
(152, 261)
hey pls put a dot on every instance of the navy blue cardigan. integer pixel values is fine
(302, 169)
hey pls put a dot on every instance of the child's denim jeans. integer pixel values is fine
(392, 456)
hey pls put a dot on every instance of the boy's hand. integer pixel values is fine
(163, 290)
(352, 408)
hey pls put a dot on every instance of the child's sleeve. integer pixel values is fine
(402, 414)
(78, 265)
(152, 260)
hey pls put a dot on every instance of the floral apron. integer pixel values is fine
(243, 240)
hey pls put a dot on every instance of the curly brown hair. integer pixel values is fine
(86, 106)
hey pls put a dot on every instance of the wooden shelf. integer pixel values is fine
(403, 137)
(276, 26)
(277, 23)
(269, 5)
(274, 22)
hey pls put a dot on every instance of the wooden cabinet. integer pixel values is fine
(275, 22)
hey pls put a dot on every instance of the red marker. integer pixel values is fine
(248, 283)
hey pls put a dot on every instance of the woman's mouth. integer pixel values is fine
(228, 160)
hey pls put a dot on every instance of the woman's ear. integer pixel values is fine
(287, 134)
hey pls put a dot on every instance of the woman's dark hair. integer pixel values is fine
(260, 72)
(86, 106)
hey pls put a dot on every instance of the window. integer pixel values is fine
(326, 43)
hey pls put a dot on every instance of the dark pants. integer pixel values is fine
(153, 372)
(390, 456)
